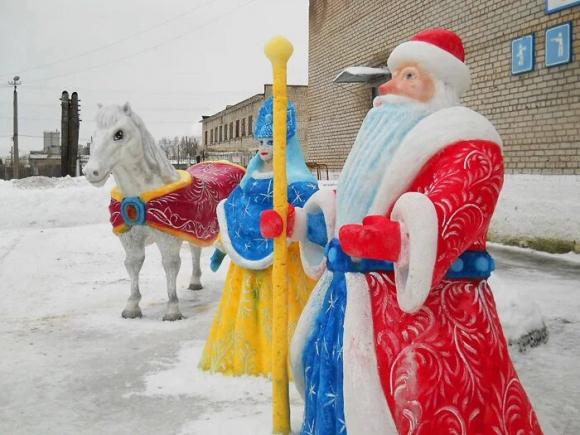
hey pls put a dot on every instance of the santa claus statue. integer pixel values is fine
(401, 333)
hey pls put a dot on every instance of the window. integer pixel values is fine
(238, 128)
(215, 136)
(205, 138)
(250, 128)
(243, 126)
(226, 132)
(210, 136)
(221, 131)
(231, 129)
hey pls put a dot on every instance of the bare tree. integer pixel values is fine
(182, 149)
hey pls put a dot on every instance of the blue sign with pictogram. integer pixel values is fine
(559, 44)
(523, 54)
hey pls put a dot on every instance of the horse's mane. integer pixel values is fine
(155, 158)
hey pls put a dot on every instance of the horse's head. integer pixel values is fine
(118, 140)
(121, 139)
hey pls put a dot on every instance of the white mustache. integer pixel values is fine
(393, 99)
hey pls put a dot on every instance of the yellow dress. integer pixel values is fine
(240, 339)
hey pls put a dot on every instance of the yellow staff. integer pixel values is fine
(279, 50)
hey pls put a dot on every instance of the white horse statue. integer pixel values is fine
(155, 203)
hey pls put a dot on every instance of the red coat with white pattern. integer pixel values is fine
(446, 368)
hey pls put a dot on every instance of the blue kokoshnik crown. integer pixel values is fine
(265, 121)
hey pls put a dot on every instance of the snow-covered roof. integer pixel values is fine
(362, 74)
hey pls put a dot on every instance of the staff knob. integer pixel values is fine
(278, 50)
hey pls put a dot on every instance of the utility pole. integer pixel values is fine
(73, 134)
(64, 148)
(69, 138)
(15, 160)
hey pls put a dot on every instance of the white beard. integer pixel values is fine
(379, 137)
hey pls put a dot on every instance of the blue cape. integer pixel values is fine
(242, 212)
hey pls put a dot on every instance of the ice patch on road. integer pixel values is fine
(239, 404)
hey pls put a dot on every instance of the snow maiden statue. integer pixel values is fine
(401, 333)
(240, 340)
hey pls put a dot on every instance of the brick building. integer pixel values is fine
(537, 113)
(229, 134)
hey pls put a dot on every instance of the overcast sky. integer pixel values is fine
(174, 60)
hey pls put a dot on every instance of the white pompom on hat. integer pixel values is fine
(441, 52)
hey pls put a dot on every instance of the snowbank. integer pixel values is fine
(530, 207)
(43, 202)
(542, 211)
(521, 318)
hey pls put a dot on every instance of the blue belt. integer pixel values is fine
(474, 265)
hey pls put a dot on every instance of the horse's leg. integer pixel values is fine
(169, 247)
(134, 244)
(195, 282)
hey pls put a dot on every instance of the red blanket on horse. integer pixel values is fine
(185, 209)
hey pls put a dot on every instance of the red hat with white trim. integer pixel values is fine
(440, 51)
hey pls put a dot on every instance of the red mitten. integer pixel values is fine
(378, 238)
(271, 224)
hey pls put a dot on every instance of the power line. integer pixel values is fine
(30, 119)
(161, 109)
(57, 103)
(82, 139)
(154, 47)
(140, 91)
(91, 121)
(25, 103)
(149, 109)
(24, 135)
(140, 109)
(154, 122)
(117, 42)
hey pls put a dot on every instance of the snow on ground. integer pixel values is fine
(241, 405)
(539, 206)
(42, 202)
(70, 364)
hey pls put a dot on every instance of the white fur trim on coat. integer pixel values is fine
(419, 234)
(304, 329)
(431, 135)
(365, 407)
(229, 248)
(300, 230)
(441, 63)
(312, 255)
